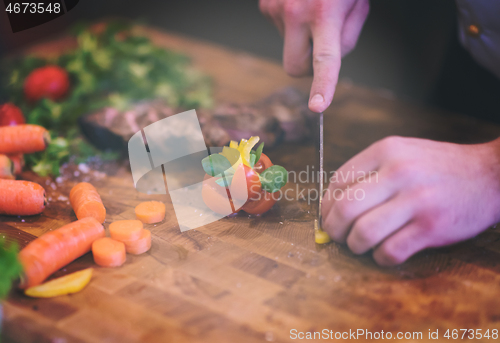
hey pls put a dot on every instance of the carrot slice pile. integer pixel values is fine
(126, 230)
(23, 139)
(108, 252)
(21, 198)
(86, 202)
(55, 249)
(7, 168)
(141, 245)
(150, 212)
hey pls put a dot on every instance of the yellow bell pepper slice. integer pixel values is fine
(233, 156)
(245, 148)
(242, 144)
(249, 146)
(68, 284)
(320, 236)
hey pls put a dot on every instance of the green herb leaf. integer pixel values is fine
(225, 181)
(112, 67)
(258, 152)
(273, 178)
(252, 159)
(216, 164)
(10, 268)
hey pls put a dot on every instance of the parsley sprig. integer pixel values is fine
(109, 67)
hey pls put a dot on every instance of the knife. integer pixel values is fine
(321, 181)
(321, 237)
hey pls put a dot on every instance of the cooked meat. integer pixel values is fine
(282, 115)
(243, 121)
(289, 107)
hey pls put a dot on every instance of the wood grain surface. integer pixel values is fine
(254, 279)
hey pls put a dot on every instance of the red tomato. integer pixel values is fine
(260, 205)
(246, 183)
(47, 82)
(262, 164)
(216, 197)
(98, 28)
(10, 114)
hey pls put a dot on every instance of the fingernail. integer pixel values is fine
(317, 99)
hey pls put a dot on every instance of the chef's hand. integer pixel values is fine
(332, 25)
(426, 194)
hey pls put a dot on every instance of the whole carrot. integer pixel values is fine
(23, 139)
(18, 161)
(55, 249)
(6, 168)
(86, 202)
(21, 198)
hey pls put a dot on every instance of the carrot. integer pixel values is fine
(55, 249)
(6, 168)
(125, 230)
(18, 160)
(108, 252)
(140, 245)
(150, 212)
(23, 139)
(21, 198)
(86, 202)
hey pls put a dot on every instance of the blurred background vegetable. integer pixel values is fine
(109, 67)
(10, 268)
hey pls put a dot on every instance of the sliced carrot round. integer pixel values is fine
(150, 212)
(140, 245)
(126, 230)
(108, 252)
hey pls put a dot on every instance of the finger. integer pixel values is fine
(354, 202)
(362, 167)
(278, 22)
(373, 227)
(264, 7)
(276, 12)
(326, 64)
(401, 245)
(353, 26)
(297, 50)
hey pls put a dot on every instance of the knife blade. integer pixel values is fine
(320, 236)
(320, 181)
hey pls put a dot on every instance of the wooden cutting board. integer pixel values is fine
(253, 279)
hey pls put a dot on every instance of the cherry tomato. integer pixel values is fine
(216, 197)
(10, 114)
(262, 164)
(46, 82)
(246, 183)
(98, 28)
(261, 205)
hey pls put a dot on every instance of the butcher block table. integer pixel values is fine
(255, 279)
